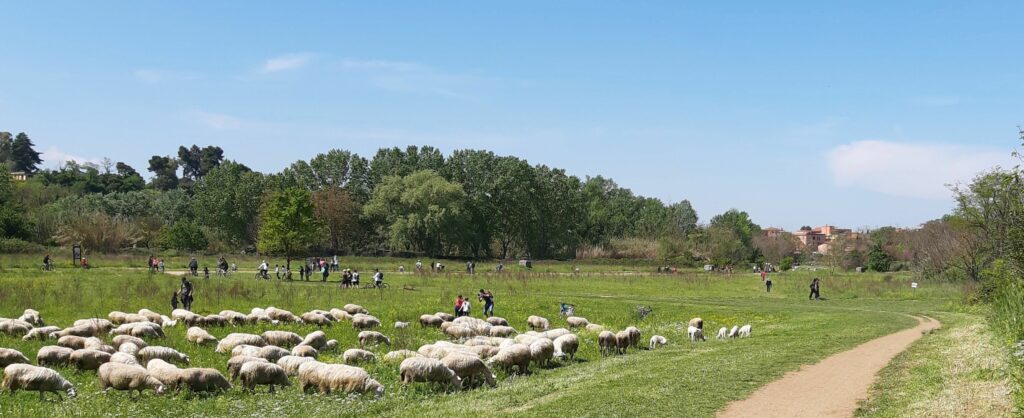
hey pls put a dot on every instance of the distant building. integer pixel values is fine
(19, 176)
(819, 237)
(772, 232)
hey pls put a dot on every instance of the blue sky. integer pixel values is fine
(797, 112)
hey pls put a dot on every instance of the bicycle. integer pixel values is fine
(376, 286)
(260, 274)
(49, 267)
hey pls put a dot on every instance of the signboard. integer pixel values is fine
(913, 285)
(76, 254)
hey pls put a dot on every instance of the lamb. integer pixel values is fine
(423, 369)
(305, 351)
(167, 322)
(87, 359)
(234, 339)
(657, 341)
(744, 331)
(291, 364)
(257, 373)
(199, 336)
(53, 355)
(163, 353)
(372, 337)
(445, 316)
(282, 338)
(697, 323)
(622, 340)
(365, 322)
(338, 377)
(203, 380)
(537, 322)
(696, 334)
(401, 325)
(246, 350)
(166, 373)
(272, 353)
(41, 379)
(236, 362)
(353, 309)
(566, 346)
(497, 321)
(124, 358)
(120, 340)
(595, 328)
(468, 367)
(340, 315)
(119, 376)
(515, 355)
(577, 322)
(723, 333)
(9, 356)
(40, 333)
(355, 355)
(151, 316)
(315, 339)
(314, 318)
(734, 332)
(399, 355)
(502, 331)
(32, 317)
(634, 336)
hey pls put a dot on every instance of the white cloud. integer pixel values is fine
(920, 170)
(286, 62)
(218, 121)
(54, 157)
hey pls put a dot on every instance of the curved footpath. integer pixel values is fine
(832, 387)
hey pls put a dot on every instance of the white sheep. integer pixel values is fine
(305, 351)
(459, 332)
(291, 364)
(398, 355)
(497, 321)
(697, 323)
(484, 351)
(576, 322)
(163, 353)
(695, 334)
(124, 358)
(594, 328)
(514, 355)
(315, 339)
(236, 362)
(634, 336)
(427, 320)
(199, 336)
(32, 317)
(330, 345)
(744, 331)
(502, 331)
(151, 316)
(622, 341)
(40, 333)
(87, 359)
(353, 309)
(213, 320)
(246, 350)
(166, 373)
(566, 346)
(203, 380)
(372, 337)
(14, 327)
(120, 376)
(340, 315)
(445, 316)
(118, 317)
(542, 351)
(734, 332)
(71, 341)
(281, 338)
(423, 369)
(120, 340)
(537, 322)
(129, 348)
(361, 321)
(281, 315)
(234, 339)
(101, 325)
(257, 373)
(10, 356)
(234, 317)
(657, 341)
(29, 377)
(272, 353)
(53, 355)
(468, 367)
(317, 319)
(401, 325)
(355, 355)
(338, 378)
(723, 333)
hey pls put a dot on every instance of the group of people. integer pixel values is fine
(184, 293)
(815, 285)
(155, 265)
(463, 307)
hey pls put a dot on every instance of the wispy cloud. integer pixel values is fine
(920, 170)
(54, 157)
(286, 62)
(218, 121)
(149, 75)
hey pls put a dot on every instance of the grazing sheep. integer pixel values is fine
(515, 355)
(657, 341)
(315, 339)
(203, 380)
(696, 334)
(281, 315)
(401, 325)
(497, 321)
(567, 345)
(459, 332)
(340, 315)
(423, 369)
(234, 339)
(484, 351)
(502, 331)
(213, 320)
(151, 316)
(445, 325)
(527, 338)
(622, 340)
(595, 328)
(744, 331)
(129, 348)
(355, 355)
(116, 317)
(87, 359)
(445, 316)
(40, 333)
(120, 340)
(734, 332)
(329, 378)
(479, 326)
(361, 321)
(53, 355)
(199, 336)
(697, 323)
(398, 355)
(427, 320)
(305, 351)
(138, 329)
(542, 351)
(10, 356)
(236, 363)
(124, 358)
(537, 322)
(167, 322)
(281, 338)
(101, 325)
(71, 341)
(166, 373)
(634, 336)
(163, 353)
(272, 353)
(330, 345)
(256, 373)
(372, 337)
(469, 367)
(291, 364)
(555, 333)
(120, 376)
(85, 330)
(132, 318)
(723, 333)
(353, 309)
(245, 350)
(577, 322)
(234, 317)
(41, 379)
(32, 317)
(317, 319)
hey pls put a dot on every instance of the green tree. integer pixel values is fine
(398, 162)
(682, 218)
(165, 172)
(6, 142)
(287, 224)
(23, 154)
(739, 223)
(335, 168)
(13, 223)
(228, 200)
(185, 236)
(878, 259)
(197, 162)
(420, 212)
(338, 214)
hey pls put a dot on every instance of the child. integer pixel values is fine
(458, 305)
(206, 272)
(174, 300)
(465, 307)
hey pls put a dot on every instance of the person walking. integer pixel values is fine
(206, 272)
(465, 307)
(768, 283)
(193, 266)
(378, 278)
(325, 270)
(174, 300)
(815, 289)
(458, 305)
(277, 271)
(488, 298)
(186, 294)
(355, 278)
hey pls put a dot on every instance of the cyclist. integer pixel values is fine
(263, 270)
(378, 278)
(46, 262)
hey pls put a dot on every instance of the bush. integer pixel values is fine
(183, 235)
(17, 246)
(786, 264)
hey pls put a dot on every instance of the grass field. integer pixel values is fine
(682, 379)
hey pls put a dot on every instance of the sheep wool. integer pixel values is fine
(53, 355)
(199, 336)
(124, 358)
(353, 309)
(315, 339)
(622, 340)
(695, 334)
(235, 339)
(512, 356)
(542, 351)
(497, 321)
(468, 368)
(87, 359)
(40, 333)
(566, 346)
(723, 333)
(355, 355)
(163, 353)
(272, 353)
(235, 363)
(291, 364)
(398, 355)
(372, 338)
(120, 376)
(203, 380)
(537, 322)
(257, 373)
(576, 322)
(33, 378)
(657, 341)
(744, 331)
(305, 351)
(281, 338)
(423, 369)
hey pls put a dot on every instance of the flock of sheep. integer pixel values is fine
(130, 363)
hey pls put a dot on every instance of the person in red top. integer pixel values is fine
(458, 306)
(763, 274)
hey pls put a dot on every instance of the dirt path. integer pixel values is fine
(832, 387)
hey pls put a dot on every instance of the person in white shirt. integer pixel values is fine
(378, 277)
(263, 269)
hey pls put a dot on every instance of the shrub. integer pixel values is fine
(14, 245)
(786, 264)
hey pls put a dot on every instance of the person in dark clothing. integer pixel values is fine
(325, 271)
(815, 289)
(174, 300)
(193, 266)
(768, 283)
(488, 298)
(186, 294)
(206, 272)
